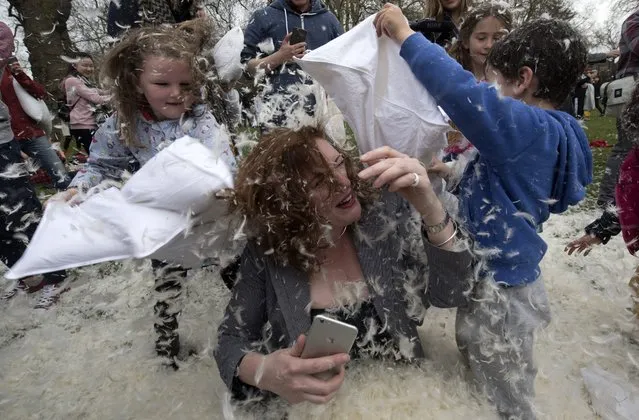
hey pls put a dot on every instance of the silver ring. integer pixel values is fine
(416, 180)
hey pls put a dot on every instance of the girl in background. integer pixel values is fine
(446, 11)
(156, 81)
(482, 26)
(33, 140)
(82, 96)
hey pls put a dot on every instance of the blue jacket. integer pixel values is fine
(531, 162)
(276, 21)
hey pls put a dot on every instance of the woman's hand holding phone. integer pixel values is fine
(286, 374)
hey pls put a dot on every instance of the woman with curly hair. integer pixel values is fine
(330, 237)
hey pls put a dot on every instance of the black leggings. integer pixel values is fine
(84, 136)
(20, 206)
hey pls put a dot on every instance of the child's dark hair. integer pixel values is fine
(553, 50)
(630, 117)
(498, 10)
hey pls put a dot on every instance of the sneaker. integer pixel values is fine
(21, 286)
(50, 295)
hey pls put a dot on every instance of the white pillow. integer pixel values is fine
(150, 217)
(183, 178)
(378, 94)
(226, 55)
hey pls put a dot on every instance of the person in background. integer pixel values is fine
(19, 213)
(126, 14)
(32, 138)
(446, 11)
(482, 26)
(596, 82)
(83, 97)
(607, 225)
(627, 191)
(275, 23)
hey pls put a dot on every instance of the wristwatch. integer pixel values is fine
(434, 229)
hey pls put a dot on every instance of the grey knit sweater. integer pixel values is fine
(6, 134)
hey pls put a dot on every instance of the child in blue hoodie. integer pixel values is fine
(533, 160)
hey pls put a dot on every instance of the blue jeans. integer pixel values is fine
(40, 150)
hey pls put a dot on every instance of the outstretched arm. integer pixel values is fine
(491, 122)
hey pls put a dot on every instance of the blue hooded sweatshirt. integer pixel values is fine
(531, 162)
(276, 21)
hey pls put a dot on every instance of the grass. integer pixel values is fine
(598, 128)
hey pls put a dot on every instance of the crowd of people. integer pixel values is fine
(321, 245)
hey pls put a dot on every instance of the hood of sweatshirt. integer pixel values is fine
(316, 7)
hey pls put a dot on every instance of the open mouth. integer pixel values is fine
(347, 202)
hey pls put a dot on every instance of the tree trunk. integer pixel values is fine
(46, 37)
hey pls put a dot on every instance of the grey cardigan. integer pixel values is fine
(270, 305)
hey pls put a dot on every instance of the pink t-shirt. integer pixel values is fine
(83, 100)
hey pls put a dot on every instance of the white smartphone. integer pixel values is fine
(328, 336)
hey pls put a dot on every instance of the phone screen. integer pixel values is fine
(297, 35)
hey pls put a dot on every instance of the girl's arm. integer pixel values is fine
(92, 95)
(108, 159)
(215, 137)
(32, 87)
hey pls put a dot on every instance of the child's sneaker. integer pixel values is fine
(28, 285)
(50, 295)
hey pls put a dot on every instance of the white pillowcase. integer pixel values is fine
(378, 94)
(167, 210)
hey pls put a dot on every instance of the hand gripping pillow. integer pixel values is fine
(380, 98)
(182, 177)
(150, 216)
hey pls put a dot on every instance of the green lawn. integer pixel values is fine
(599, 128)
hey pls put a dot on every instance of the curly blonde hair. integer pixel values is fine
(123, 65)
(272, 192)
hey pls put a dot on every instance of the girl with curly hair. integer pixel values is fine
(156, 79)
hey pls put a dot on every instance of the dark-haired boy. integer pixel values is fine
(533, 160)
